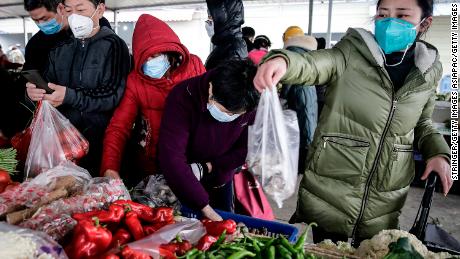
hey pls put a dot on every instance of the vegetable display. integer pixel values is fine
(104, 233)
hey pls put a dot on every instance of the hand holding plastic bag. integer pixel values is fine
(273, 147)
(54, 140)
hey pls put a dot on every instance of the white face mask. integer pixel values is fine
(81, 25)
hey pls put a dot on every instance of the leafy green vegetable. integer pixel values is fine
(402, 249)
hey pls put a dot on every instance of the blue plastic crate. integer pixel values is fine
(272, 226)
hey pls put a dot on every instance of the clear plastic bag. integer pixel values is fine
(54, 140)
(273, 147)
(33, 191)
(189, 229)
(155, 192)
(32, 244)
(55, 218)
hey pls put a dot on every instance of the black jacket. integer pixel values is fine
(228, 16)
(40, 45)
(94, 72)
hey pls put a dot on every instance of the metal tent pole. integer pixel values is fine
(26, 38)
(310, 17)
(115, 20)
(329, 24)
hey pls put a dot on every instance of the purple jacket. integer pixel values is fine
(189, 134)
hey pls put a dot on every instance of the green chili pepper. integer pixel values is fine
(256, 246)
(271, 252)
(219, 241)
(191, 253)
(288, 245)
(283, 251)
(299, 255)
(299, 245)
(269, 243)
(241, 254)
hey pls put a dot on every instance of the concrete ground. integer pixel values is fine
(445, 211)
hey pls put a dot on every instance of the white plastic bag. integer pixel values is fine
(32, 244)
(54, 140)
(189, 229)
(273, 147)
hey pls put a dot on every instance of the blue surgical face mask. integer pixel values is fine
(220, 115)
(156, 67)
(393, 34)
(50, 27)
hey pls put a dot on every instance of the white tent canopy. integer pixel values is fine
(15, 8)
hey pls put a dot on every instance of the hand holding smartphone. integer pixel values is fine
(34, 77)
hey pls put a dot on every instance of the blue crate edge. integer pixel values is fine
(272, 226)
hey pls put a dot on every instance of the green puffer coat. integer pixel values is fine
(361, 164)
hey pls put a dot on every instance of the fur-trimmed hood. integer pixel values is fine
(305, 42)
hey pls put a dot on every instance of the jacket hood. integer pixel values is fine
(425, 54)
(152, 36)
(305, 42)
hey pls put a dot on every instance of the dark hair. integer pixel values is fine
(248, 32)
(233, 87)
(97, 2)
(321, 43)
(262, 41)
(425, 5)
(94, 2)
(50, 5)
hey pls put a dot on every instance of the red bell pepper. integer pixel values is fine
(161, 215)
(128, 253)
(166, 254)
(110, 256)
(206, 242)
(89, 240)
(178, 246)
(216, 228)
(121, 237)
(134, 225)
(140, 209)
(114, 215)
(150, 229)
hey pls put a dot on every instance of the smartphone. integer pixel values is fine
(35, 78)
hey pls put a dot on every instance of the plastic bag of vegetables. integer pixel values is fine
(54, 140)
(273, 147)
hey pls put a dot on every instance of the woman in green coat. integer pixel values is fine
(379, 102)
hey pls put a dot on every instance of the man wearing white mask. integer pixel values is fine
(49, 15)
(88, 75)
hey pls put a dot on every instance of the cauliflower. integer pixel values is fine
(341, 247)
(377, 247)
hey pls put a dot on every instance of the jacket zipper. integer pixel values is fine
(396, 149)
(331, 139)
(374, 166)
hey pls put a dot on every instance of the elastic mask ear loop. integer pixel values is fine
(397, 64)
(94, 28)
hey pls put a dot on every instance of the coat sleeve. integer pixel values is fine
(228, 16)
(119, 130)
(427, 139)
(172, 147)
(108, 94)
(314, 67)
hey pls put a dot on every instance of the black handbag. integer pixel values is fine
(433, 237)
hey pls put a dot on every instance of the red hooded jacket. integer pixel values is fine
(146, 96)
